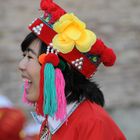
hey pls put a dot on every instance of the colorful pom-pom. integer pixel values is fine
(98, 48)
(49, 58)
(48, 6)
(42, 58)
(52, 58)
(108, 57)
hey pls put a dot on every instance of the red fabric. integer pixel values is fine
(49, 7)
(39, 104)
(108, 56)
(46, 4)
(98, 48)
(11, 123)
(33, 137)
(47, 33)
(88, 68)
(52, 58)
(89, 122)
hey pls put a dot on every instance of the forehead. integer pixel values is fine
(35, 46)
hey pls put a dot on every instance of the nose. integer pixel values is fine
(22, 64)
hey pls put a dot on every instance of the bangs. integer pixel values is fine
(27, 41)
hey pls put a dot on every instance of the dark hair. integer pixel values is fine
(77, 86)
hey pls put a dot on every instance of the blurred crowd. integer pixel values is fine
(12, 123)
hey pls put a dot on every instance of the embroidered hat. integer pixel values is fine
(67, 36)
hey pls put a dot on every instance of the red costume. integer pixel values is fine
(89, 122)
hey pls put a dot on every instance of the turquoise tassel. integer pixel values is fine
(50, 102)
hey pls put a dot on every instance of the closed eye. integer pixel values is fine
(29, 57)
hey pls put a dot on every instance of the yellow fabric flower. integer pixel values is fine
(72, 32)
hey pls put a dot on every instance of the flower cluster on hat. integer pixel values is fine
(72, 33)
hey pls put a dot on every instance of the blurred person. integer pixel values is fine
(12, 123)
(60, 58)
(31, 130)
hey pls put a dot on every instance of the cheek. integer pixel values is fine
(36, 80)
(36, 72)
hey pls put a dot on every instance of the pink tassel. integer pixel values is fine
(60, 95)
(24, 99)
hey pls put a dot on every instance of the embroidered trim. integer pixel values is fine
(46, 135)
(53, 124)
(52, 121)
(38, 119)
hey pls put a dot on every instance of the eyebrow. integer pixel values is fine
(30, 50)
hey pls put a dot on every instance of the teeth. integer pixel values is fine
(29, 81)
(26, 80)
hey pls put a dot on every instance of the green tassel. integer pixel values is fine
(50, 103)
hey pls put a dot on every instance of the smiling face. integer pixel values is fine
(30, 70)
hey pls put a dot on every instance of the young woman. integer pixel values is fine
(60, 56)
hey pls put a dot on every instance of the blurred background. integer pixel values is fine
(117, 22)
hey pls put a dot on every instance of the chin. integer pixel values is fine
(32, 97)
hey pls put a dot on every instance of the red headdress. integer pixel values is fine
(67, 36)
